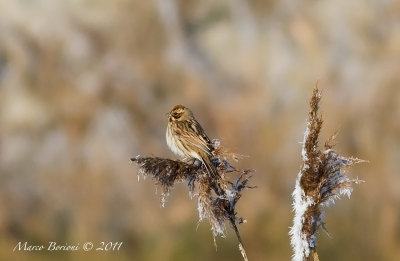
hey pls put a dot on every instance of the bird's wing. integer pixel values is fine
(198, 138)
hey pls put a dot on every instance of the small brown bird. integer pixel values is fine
(187, 139)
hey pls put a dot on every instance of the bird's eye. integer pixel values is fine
(175, 115)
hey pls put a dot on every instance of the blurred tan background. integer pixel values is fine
(85, 85)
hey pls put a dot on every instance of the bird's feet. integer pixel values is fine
(192, 161)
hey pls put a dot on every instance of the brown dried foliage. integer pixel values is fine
(311, 176)
(322, 174)
(217, 197)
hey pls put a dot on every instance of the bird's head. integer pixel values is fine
(179, 113)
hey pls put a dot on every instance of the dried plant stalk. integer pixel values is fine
(216, 197)
(319, 183)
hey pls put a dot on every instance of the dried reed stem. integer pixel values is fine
(216, 198)
(319, 183)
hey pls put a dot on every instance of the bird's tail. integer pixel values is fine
(212, 170)
(214, 175)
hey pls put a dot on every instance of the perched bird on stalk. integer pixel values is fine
(187, 139)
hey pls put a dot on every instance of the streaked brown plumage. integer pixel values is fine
(187, 139)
